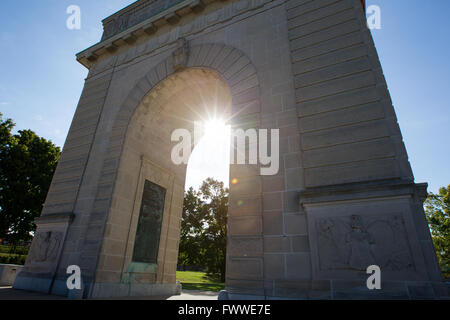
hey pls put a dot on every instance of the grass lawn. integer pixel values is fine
(8, 258)
(192, 280)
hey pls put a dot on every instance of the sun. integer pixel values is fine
(211, 156)
(216, 127)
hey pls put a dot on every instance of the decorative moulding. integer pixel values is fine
(128, 32)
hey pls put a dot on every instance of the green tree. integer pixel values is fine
(203, 228)
(190, 253)
(214, 235)
(27, 164)
(437, 209)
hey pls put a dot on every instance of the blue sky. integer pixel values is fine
(41, 82)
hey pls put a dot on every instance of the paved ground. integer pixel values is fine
(8, 293)
(195, 295)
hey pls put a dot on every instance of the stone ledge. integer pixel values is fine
(364, 190)
(55, 218)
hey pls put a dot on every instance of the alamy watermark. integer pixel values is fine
(73, 22)
(74, 280)
(373, 13)
(251, 142)
(374, 280)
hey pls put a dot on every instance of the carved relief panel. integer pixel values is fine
(46, 245)
(356, 242)
(346, 237)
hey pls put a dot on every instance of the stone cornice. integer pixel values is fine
(149, 26)
(134, 14)
(135, 28)
(126, 9)
(215, 16)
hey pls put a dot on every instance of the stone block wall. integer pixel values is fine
(306, 67)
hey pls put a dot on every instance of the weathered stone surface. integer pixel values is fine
(274, 266)
(306, 67)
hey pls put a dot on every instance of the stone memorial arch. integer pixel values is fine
(344, 197)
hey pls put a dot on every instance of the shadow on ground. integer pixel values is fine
(8, 293)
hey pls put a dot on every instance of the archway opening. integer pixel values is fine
(203, 236)
(147, 206)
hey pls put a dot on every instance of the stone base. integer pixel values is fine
(348, 290)
(118, 290)
(43, 284)
(99, 290)
(8, 273)
(32, 283)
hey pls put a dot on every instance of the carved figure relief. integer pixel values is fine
(356, 242)
(360, 242)
(45, 246)
(180, 55)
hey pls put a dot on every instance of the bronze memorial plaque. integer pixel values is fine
(148, 231)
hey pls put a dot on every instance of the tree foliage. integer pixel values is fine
(437, 209)
(203, 228)
(27, 164)
(191, 228)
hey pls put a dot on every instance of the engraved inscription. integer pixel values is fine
(140, 12)
(148, 231)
